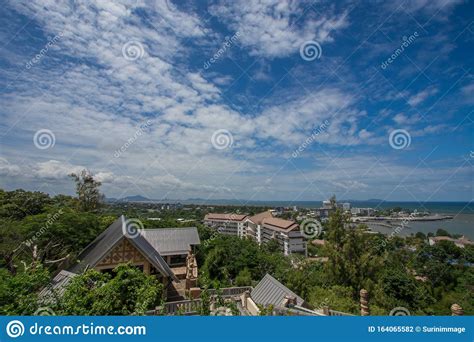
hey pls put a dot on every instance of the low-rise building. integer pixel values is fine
(462, 242)
(323, 212)
(363, 211)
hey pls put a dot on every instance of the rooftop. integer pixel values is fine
(280, 224)
(172, 241)
(258, 218)
(270, 291)
(57, 286)
(225, 217)
(109, 238)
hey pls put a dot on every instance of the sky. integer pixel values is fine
(248, 100)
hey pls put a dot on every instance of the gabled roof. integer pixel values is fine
(258, 218)
(224, 217)
(98, 249)
(172, 241)
(270, 291)
(280, 224)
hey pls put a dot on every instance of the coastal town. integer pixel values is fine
(169, 255)
(175, 245)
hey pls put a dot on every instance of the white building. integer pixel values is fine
(286, 232)
(261, 228)
(462, 242)
(327, 205)
(230, 224)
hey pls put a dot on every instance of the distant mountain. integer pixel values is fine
(136, 198)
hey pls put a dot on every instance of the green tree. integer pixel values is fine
(333, 201)
(442, 232)
(335, 297)
(19, 292)
(244, 278)
(87, 189)
(398, 288)
(127, 291)
(20, 203)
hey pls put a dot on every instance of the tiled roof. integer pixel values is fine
(225, 217)
(172, 241)
(258, 218)
(270, 291)
(279, 224)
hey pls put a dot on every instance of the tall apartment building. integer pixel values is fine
(254, 225)
(286, 232)
(262, 228)
(230, 224)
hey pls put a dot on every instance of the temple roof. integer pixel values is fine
(108, 239)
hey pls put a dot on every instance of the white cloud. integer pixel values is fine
(430, 6)
(7, 169)
(421, 96)
(272, 28)
(94, 100)
(54, 169)
(403, 119)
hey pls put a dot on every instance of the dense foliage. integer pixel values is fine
(127, 291)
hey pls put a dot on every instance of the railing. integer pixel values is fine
(184, 307)
(190, 307)
(230, 291)
(338, 313)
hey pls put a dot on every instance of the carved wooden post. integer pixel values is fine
(326, 310)
(364, 303)
(456, 310)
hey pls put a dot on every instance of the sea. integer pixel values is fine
(462, 212)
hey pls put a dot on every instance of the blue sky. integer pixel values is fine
(251, 100)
